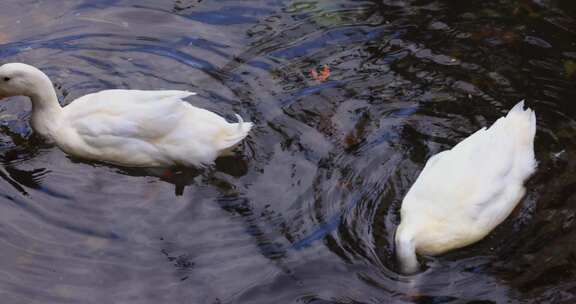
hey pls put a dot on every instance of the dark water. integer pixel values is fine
(306, 212)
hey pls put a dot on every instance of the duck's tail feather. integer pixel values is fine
(523, 122)
(520, 124)
(235, 135)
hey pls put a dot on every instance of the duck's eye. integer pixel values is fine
(6, 79)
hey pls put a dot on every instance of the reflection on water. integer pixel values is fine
(305, 213)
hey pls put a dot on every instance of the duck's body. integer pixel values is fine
(145, 128)
(125, 127)
(464, 193)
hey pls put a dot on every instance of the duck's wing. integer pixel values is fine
(141, 115)
(155, 126)
(480, 180)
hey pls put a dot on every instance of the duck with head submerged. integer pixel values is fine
(464, 193)
(124, 127)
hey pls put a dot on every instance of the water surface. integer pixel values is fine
(305, 213)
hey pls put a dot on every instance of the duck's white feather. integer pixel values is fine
(146, 128)
(464, 193)
(125, 127)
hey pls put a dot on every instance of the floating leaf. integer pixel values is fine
(322, 76)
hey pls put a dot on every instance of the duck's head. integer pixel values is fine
(19, 79)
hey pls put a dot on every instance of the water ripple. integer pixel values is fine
(306, 212)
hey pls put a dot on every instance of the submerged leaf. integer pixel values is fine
(570, 68)
(3, 38)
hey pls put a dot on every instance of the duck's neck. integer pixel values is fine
(46, 111)
(406, 252)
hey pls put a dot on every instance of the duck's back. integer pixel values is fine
(463, 193)
(147, 128)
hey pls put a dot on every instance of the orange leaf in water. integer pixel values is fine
(322, 76)
(314, 74)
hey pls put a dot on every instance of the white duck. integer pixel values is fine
(464, 193)
(124, 127)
